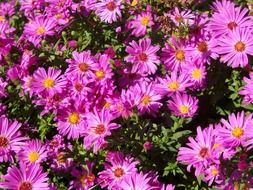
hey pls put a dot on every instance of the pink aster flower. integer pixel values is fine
(175, 82)
(81, 64)
(200, 153)
(71, 121)
(25, 178)
(3, 84)
(181, 16)
(137, 181)
(183, 105)
(177, 53)
(228, 19)
(99, 127)
(143, 56)
(33, 152)
(141, 23)
(235, 47)
(117, 169)
(167, 187)
(213, 174)
(103, 70)
(147, 98)
(247, 90)
(39, 28)
(108, 10)
(10, 139)
(232, 132)
(49, 82)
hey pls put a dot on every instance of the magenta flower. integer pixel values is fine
(168, 187)
(232, 132)
(108, 10)
(117, 169)
(141, 23)
(247, 90)
(147, 98)
(228, 19)
(235, 47)
(183, 105)
(49, 82)
(213, 174)
(175, 82)
(103, 71)
(99, 127)
(71, 121)
(3, 84)
(25, 178)
(39, 28)
(143, 56)
(200, 152)
(10, 139)
(81, 64)
(181, 16)
(137, 181)
(33, 152)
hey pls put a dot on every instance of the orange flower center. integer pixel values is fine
(178, 18)
(25, 186)
(145, 20)
(173, 85)
(100, 74)
(240, 46)
(83, 67)
(1, 18)
(202, 47)
(3, 142)
(118, 172)
(196, 74)
(214, 171)
(78, 87)
(232, 25)
(237, 132)
(33, 156)
(61, 158)
(180, 55)
(74, 118)
(100, 129)
(184, 109)
(111, 6)
(40, 30)
(204, 152)
(146, 100)
(48, 83)
(143, 57)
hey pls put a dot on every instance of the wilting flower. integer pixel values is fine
(25, 178)
(183, 105)
(117, 169)
(33, 152)
(143, 56)
(10, 139)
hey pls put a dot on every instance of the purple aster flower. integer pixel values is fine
(181, 16)
(25, 178)
(99, 127)
(49, 82)
(200, 152)
(247, 90)
(117, 169)
(33, 152)
(183, 105)
(235, 47)
(3, 84)
(108, 10)
(213, 174)
(10, 139)
(143, 56)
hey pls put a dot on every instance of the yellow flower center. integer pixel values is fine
(237, 132)
(74, 118)
(146, 99)
(145, 20)
(214, 171)
(173, 85)
(196, 74)
(216, 145)
(100, 74)
(40, 30)
(48, 83)
(33, 156)
(184, 109)
(107, 105)
(134, 3)
(180, 55)
(240, 46)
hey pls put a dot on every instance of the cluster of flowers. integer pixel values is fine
(96, 89)
(218, 143)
